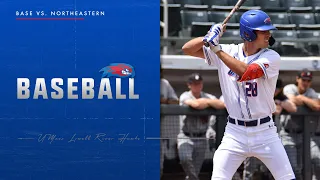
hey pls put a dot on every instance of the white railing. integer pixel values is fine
(165, 23)
(193, 63)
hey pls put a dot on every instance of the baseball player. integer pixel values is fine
(195, 130)
(167, 96)
(291, 131)
(248, 74)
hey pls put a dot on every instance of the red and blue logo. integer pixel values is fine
(121, 70)
(267, 21)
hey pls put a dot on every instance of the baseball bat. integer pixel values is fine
(234, 9)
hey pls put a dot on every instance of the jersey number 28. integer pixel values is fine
(251, 89)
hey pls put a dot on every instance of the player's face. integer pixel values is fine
(262, 40)
(303, 84)
(196, 87)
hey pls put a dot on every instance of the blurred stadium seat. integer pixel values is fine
(302, 18)
(294, 3)
(307, 9)
(310, 34)
(285, 32)
(215, 8)
(192, 2)
(247, 8)
(313, 3)
(194, 13)
(279, 18)
(200, 28)
(308, 31)
(171, 2)
(233, 31)
(317, 18)
(243, 9)
(215, 2)
(246, 3)
(174, 19)
(283, 36)
(219, 15)
(270, 5)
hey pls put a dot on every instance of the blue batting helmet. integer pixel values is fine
(254, 20)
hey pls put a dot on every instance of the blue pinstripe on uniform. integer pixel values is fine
(206, 52)
(247, 102)
(239, 95)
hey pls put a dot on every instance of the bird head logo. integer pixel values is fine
(121, 70)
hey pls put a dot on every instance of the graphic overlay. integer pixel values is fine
(87, 85)
(67, 14)
(76, 104)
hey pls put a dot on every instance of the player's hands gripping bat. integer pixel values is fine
(235, 8)
(214, 34)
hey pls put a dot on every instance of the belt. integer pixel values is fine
(195, 134)
(249, 123)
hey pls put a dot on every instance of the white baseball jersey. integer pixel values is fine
(251, 99)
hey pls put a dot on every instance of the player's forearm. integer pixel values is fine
(194, 47)
(289, 106)
(163, 101)
(216, 103)
(293, 99)
(197, 103)
(311, 103)
(235, 65)
(278, 110)
(172, 101)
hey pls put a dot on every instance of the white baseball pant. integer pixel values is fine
(240, 142)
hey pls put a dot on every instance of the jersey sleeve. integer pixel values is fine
(184, 96)
(269, 61)
(210, 96)
(171, 93)
(211, 58)
(221, 98)
(313, 94)
(290, 89)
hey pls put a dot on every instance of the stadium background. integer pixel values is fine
(298, 23)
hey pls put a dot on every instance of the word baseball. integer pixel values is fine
(87, 89)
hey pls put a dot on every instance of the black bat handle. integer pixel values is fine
(206, 44)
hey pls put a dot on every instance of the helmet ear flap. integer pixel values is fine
(249, 35)
(252, 35)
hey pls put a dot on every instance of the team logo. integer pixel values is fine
(266, 66)
(267, 21)
(118, 70)
(246, 35)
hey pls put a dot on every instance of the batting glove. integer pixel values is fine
(214, 34)
(213, 37)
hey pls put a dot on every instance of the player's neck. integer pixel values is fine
(301, 91)
(249, 48)
(196, 95)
